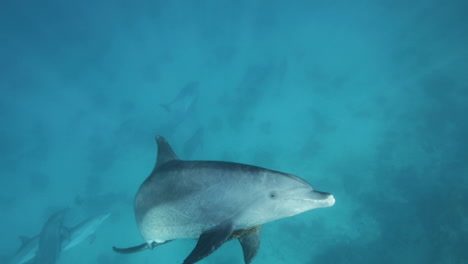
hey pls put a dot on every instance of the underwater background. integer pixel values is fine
(367, 100)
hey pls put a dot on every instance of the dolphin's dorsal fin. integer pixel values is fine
(165, 152)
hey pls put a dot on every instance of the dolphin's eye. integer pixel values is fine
(273, 195)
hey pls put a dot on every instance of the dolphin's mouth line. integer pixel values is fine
(311, 200)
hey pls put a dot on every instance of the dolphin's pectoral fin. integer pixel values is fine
(209, 241)
(250, 244)
(131, 250)
(138, 248)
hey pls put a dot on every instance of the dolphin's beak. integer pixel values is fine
(323, 198)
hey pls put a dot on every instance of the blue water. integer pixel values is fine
(365, 99)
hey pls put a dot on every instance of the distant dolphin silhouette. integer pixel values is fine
(215, 201)
(74, 236)
(181, 109)
(185, 99)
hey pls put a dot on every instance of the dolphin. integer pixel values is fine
(180, 109)
(27, 250)
(185, 99)
(83, 230)
(50, 240)
(214, 202)
(76, 235)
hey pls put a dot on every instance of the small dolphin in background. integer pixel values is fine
(214, 202)
(181, 109)
(50, 240)
(27, 250)
(75, 236)
(82, 231)
(184, 100)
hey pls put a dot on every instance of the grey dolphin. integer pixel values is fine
(184, 100)
(27, 250)
(180, 110)
(76, 235)
(215, 201)
(50, 240)
(83, 230)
